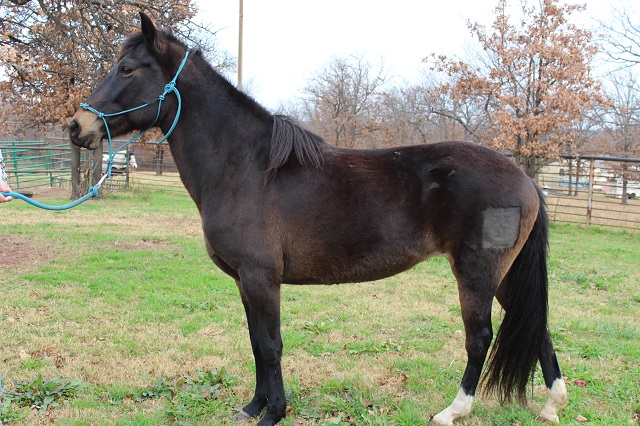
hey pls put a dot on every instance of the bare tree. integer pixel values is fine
(340, 99)
(621, 121)
(401, 118)
(421, 113)
(621, 36)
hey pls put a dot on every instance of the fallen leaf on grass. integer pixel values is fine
(581, 419)
(23, 355)
(580, 383)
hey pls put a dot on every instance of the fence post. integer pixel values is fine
(158, 160)
(127, 168)
(15, 165)
(592, 167)
(48, 165)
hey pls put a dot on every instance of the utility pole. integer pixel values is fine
(240, 48)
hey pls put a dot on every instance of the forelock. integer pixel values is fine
(163, 37)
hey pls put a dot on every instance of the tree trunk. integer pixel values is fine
(84, 174)
(529, 165)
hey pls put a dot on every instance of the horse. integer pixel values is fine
(280, 205)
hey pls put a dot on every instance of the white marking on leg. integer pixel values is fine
(460, 407)
(557, 399)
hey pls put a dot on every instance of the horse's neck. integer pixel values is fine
(210, 145)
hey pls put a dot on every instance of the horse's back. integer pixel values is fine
(368, 214)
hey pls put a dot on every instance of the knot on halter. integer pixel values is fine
(168, 88)
(93, 110)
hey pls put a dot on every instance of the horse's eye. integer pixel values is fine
(125, 70)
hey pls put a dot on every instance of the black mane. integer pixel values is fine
(288, 137)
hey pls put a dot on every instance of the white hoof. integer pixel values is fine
(557, 399)
(548, 418)
(459, 408)
(439, 422)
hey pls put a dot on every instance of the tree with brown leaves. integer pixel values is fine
(534, 80)
(54, 53)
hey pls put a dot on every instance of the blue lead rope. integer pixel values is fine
(93, 191)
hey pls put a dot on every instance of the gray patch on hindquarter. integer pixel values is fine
(501, 227)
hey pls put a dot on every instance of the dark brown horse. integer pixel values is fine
(280, 205)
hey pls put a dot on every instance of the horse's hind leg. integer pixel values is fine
(556, 388)
(476, 287)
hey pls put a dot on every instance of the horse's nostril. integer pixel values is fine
(74, 127)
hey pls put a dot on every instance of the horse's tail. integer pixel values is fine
(523, 332)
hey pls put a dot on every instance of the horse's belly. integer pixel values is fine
(336, 269)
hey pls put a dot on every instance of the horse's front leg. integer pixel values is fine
(260, 396)
(261, 299)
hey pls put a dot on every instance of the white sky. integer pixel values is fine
(286, 41)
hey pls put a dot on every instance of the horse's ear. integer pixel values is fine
(148, 29)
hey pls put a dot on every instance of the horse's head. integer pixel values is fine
(148, 60)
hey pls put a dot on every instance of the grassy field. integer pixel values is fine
(112, 314)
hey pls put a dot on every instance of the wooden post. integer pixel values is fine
(76, 180)
(158, 158)
(592, 167)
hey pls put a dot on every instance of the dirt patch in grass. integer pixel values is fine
(47, 192)
(19, 252)
(23, 252)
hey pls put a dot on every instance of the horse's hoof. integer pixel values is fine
(242, 416)
(435, 421)
(548, 419)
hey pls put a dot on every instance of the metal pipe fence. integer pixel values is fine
(593, 190)
(36, 163)
(589, 190)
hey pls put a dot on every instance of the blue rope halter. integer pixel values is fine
(93, 191)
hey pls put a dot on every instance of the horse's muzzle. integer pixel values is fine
(86, 129)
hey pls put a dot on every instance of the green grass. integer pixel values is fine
(119, 297)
